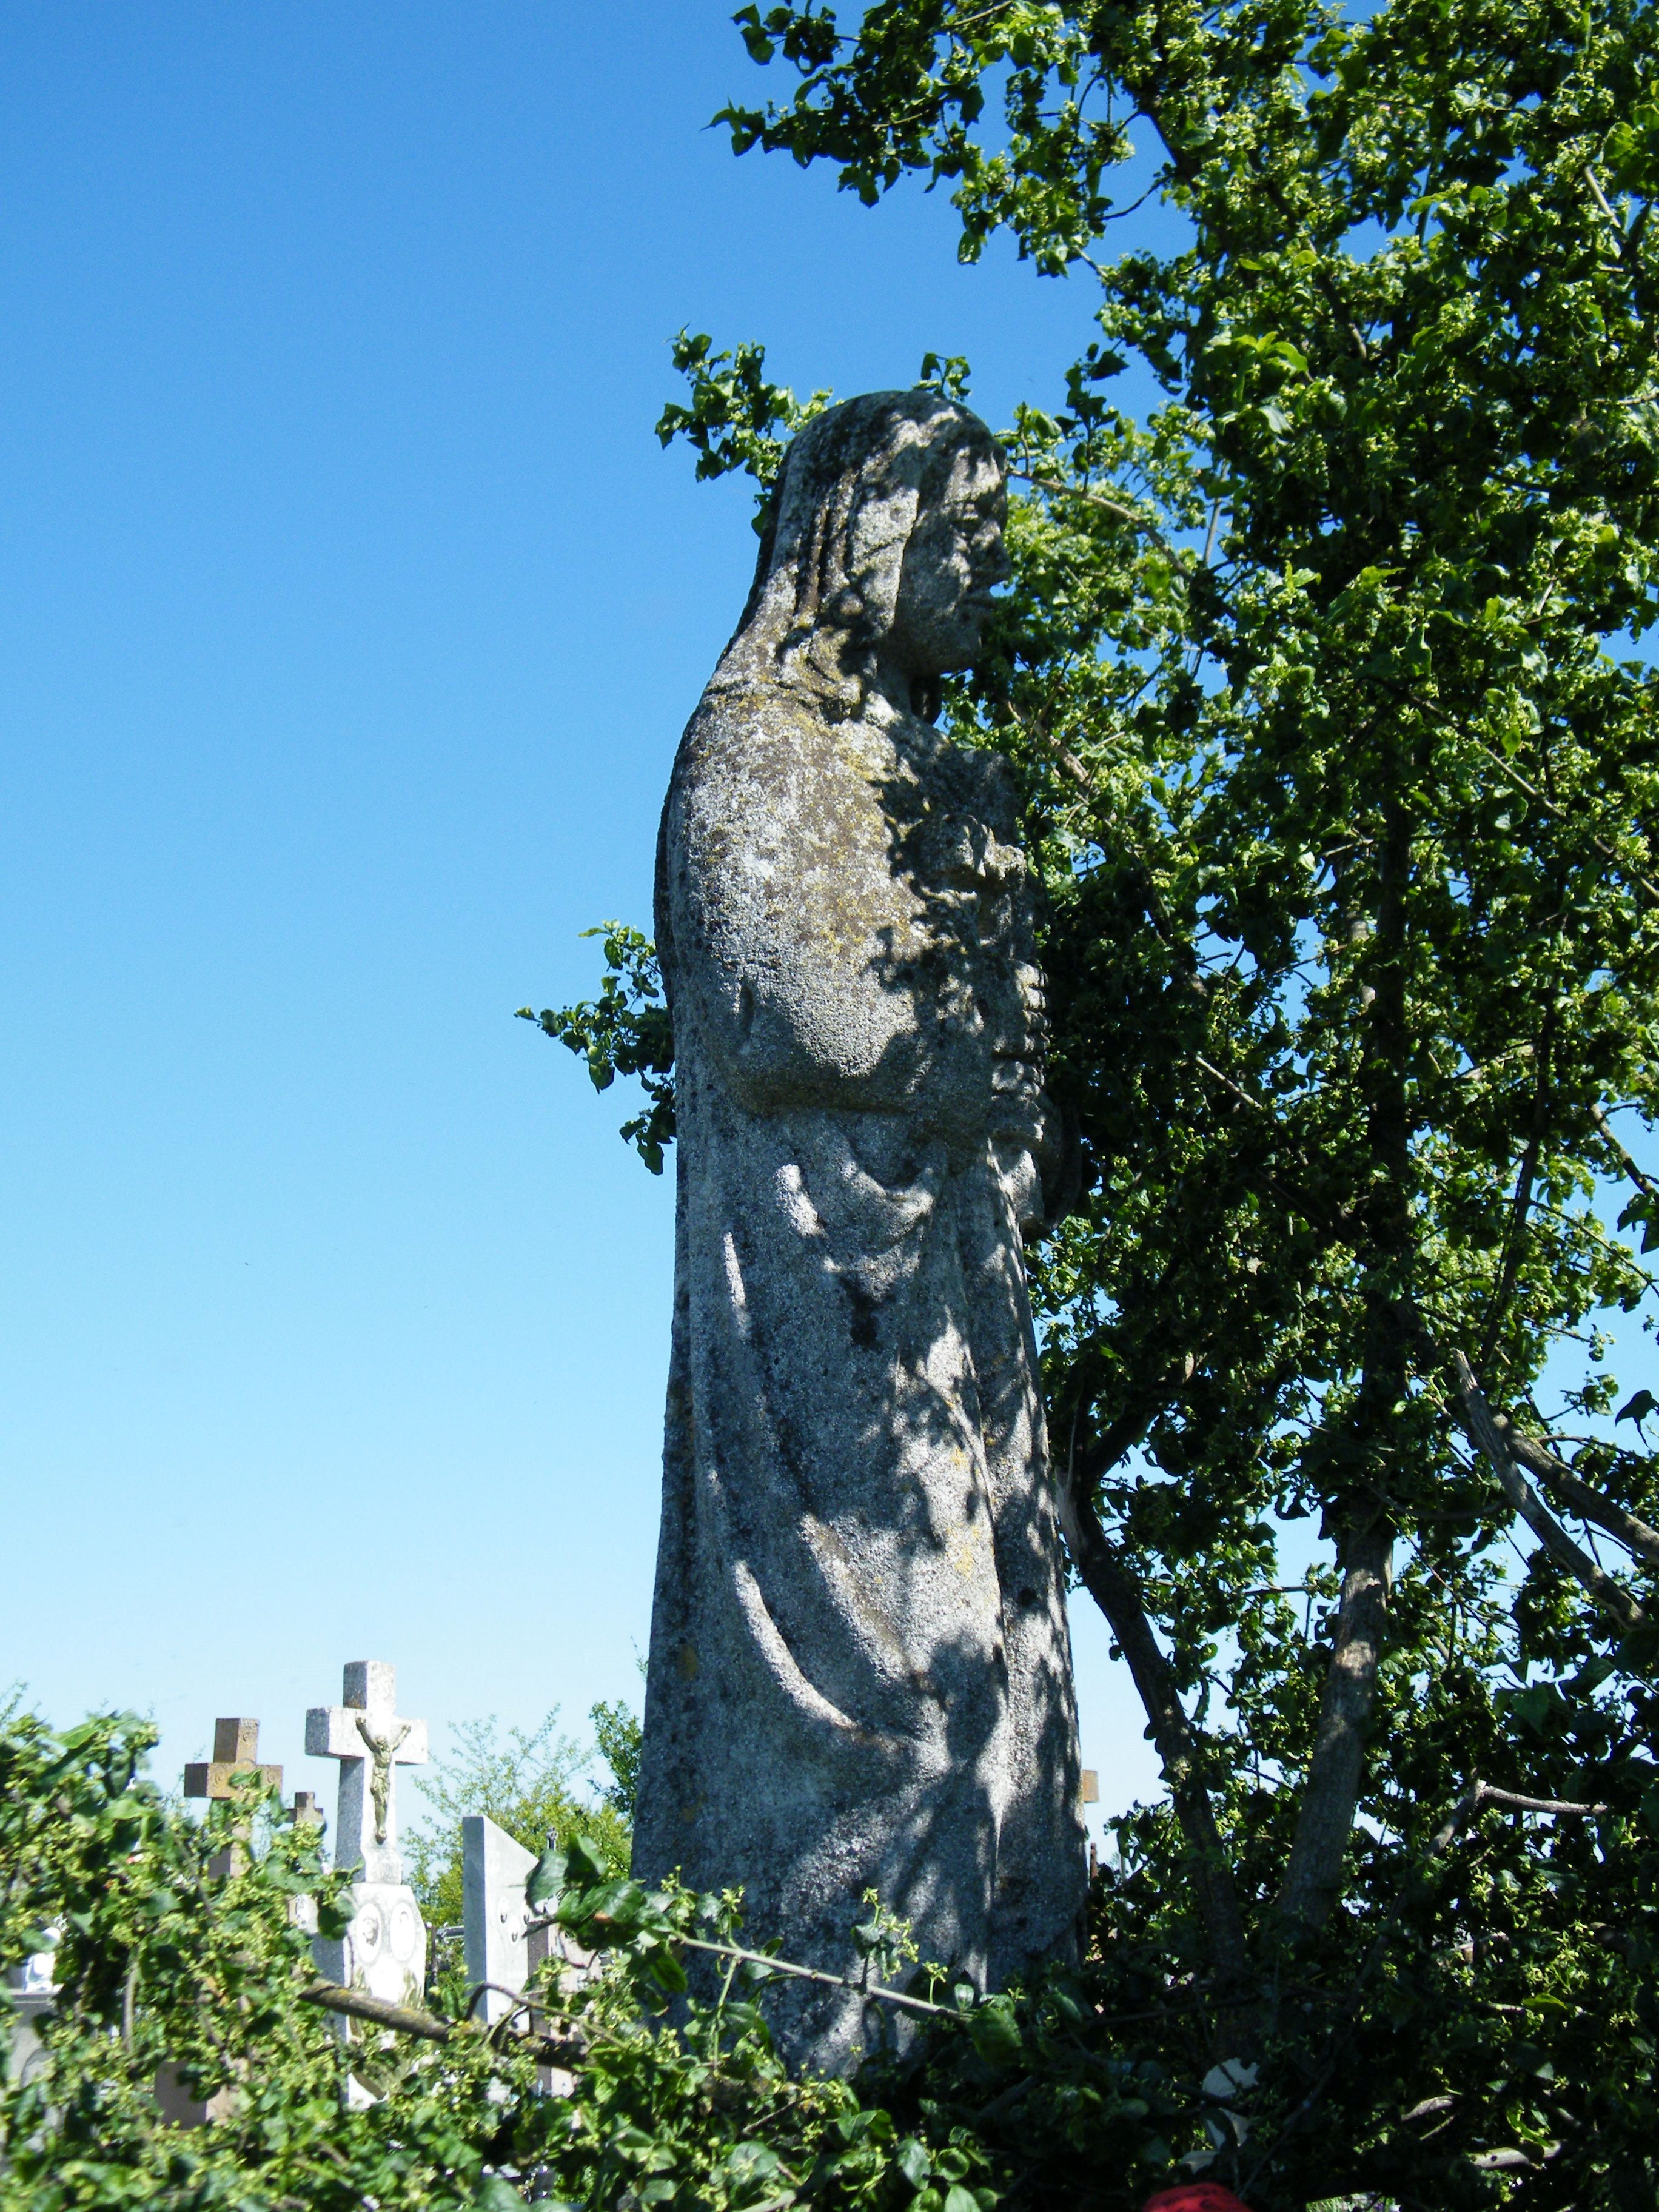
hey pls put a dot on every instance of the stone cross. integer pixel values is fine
(235, 1753)
(365, 1733)
(383, 1949)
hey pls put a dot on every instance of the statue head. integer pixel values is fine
(884, 546)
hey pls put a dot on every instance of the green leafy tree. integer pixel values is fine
(617, 1731)
(1319, 673)
(625, 1031)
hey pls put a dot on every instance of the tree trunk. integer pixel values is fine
(1314, 1875)
(1313, 1880)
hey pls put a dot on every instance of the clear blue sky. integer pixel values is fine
(349, 616)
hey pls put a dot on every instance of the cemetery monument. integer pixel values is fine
(860, 1672)
(384, 1948)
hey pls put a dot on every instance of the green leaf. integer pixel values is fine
(547, 1876)
(585, 1861)
(496, 2195)
(995, 2032)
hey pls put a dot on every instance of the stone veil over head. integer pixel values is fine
(859, 1675)
(856, 485)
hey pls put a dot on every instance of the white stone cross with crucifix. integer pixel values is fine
(366, 1734)
(383, 1949)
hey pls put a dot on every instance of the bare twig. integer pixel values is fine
(1601, 198)
(1521, 1204)
(1227, 1084)
(1514, 1801)
(875, 1989)
(1610, 1136)
(1532, 791)
(521, 2001)
(1628, 239)
(1056, 488)
(814, 1974)
(1479, 1794)
(1428, 2108)
(1034, 729)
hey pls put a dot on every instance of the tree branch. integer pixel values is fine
(874, 1991)
(1035, 729)
(1481, 1793)
(1484, 1432)
(1610, 1136)
(1521, 1205)
(1589, 1503)
(1314, 1875)
(559, 2050)
(1330, 1795)
(1606, 851)
(360, 2005)
(1180, 1746)
(1056, 487)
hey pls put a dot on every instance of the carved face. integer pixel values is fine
(954, 560)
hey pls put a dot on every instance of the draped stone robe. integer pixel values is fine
(859, 1674)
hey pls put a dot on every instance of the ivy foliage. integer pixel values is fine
(160, 1962)
(1064, 2095)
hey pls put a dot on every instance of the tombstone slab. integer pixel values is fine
(30, 1996)
(503, 1946)
(494, 1868)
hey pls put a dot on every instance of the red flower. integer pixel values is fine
(1194, 2197)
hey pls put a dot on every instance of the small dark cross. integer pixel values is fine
(235, 1753)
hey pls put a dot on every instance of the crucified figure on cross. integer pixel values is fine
(383, 1748)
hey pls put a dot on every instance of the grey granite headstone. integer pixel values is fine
(860, 1674)
(495, 1868)
(506, 1941)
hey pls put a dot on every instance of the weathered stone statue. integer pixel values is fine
(860, 1673)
